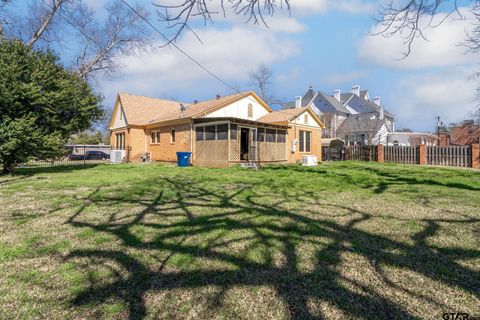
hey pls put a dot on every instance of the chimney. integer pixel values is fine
(381, 113)
(377, 101)
(356, 90)
(218, 96)
(195, 101)
(337, 93)
(298, 102)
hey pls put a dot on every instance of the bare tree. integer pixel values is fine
(261, 81)
(410, 19)
(101, 40)
(178, 14)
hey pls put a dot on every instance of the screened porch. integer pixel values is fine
(222, 142)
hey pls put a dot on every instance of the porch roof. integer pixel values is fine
(241, 121)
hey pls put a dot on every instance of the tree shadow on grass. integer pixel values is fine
(206, 210)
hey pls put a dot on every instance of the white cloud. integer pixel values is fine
(442, 48)
(449, 93)
(231, 54)
(309, 7)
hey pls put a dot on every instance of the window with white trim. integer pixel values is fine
(155, 136)
(305, 140)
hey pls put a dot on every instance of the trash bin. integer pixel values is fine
(183, 159)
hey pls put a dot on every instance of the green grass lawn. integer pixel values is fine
(341, 240)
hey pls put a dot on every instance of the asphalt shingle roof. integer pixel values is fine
(282, 115)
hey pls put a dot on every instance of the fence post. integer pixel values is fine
(422, 154)
(380, 157)
(475, 148)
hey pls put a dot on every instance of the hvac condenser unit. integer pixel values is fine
(309, 160)
(117, 156)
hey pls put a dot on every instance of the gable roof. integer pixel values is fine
(328, 104)
(287, 115)
(361, 105)
(139, 110)
(307, 99)
(361, 123)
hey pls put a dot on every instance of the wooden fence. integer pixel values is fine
(455, 156)
(361, 153)
(396, 154)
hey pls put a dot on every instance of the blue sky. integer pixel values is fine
(323, 43)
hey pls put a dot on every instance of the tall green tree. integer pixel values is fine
(41, 104)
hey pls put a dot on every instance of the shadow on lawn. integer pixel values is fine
(240, 209)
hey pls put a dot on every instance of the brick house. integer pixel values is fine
(219, 132)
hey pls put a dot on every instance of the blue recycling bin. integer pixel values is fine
(183, 159)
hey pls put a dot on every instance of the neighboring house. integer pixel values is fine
(352, 116)
(464, 134)
(411, 139)
(219, 132)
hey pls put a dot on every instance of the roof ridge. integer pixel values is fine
(141, 96)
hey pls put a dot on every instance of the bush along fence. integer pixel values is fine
(453, 156)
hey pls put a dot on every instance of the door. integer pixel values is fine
(244, 144)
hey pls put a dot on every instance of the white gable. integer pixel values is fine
(239, 109)
(306, 119)
(119, 117)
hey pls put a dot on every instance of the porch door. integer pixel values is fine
(244, 144)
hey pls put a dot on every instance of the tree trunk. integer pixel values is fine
(46, 22)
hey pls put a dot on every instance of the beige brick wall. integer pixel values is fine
(166, 150)
(137, 143)
(315, 144)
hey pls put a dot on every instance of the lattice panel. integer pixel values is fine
(211, 153)
(235, 150)
(272, 151)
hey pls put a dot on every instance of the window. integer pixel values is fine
(261, 135)
(210, 133)
(155, 135)
(395, 143)
(199, 133)
(250, 110)
(120, 141)
(271, 135)
(305, 119)
(172, 136)
(305, 141)
(281, 136)
(233, 132)
(222, 132)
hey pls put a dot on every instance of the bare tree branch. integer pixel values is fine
(178, 15)
(412, 18)
(122, 33)
(46, 20)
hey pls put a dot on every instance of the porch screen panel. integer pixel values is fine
(222, 132)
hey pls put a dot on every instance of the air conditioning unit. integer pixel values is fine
(117, 156)
(309, 160)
